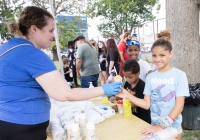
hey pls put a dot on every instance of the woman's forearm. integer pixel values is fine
(86, 93)
(111, 66)
(57, 87)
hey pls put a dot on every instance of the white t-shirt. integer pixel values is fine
(144, 69)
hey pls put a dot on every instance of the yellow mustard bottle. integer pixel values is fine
(127, 108)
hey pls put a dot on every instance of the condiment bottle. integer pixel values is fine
(91, 85)
(120, 106)
(127, 108)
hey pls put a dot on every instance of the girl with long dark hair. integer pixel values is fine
(102, 61)
(113, 57)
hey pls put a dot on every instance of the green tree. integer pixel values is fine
(8, 13)
(118, 15)
(67, 29)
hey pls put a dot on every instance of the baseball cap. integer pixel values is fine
(134, 35)
(78, 38)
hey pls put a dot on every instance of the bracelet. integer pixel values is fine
(165, 122)
(171, 118)
(160, 126)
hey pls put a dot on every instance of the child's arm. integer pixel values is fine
(68, 71)
(143, 103)
(168, 120)
(178, 108)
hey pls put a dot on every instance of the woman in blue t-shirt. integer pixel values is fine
(27, 82)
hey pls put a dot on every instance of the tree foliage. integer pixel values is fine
(67, 29)
(8, 13)
(61, 6)
(10, 9)
(117, 15)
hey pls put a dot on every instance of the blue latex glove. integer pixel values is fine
(112, 89)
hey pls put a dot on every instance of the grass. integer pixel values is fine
(191, 135)
(186, 135)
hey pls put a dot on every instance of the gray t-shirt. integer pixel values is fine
(88, 55)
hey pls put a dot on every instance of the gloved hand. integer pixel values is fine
(112, 89)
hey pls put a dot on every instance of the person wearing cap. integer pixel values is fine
(134, 37)
(133, 50)
(122, 51)
(87, 67)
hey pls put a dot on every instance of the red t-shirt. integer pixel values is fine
(122, 48)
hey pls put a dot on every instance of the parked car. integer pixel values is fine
(64, 54)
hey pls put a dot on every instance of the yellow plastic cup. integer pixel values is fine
(104, 100)
(127, 108)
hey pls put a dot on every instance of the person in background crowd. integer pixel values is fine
(72, 58)
(133, 50)
(92, 43)
(102, 61)
(134, 37)
(113, 57)
(122, 51)
(27, 82)
(124, 31)
(68, 73)
(165, 89)
(87, 67)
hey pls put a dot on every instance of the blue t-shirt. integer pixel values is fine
(22, 99)
(164, 87)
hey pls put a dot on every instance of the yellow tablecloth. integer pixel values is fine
(118, 127)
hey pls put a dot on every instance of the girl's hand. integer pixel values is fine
(123, 93)
(111, 71)
(150, 130)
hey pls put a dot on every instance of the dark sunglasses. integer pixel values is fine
(132, 42)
